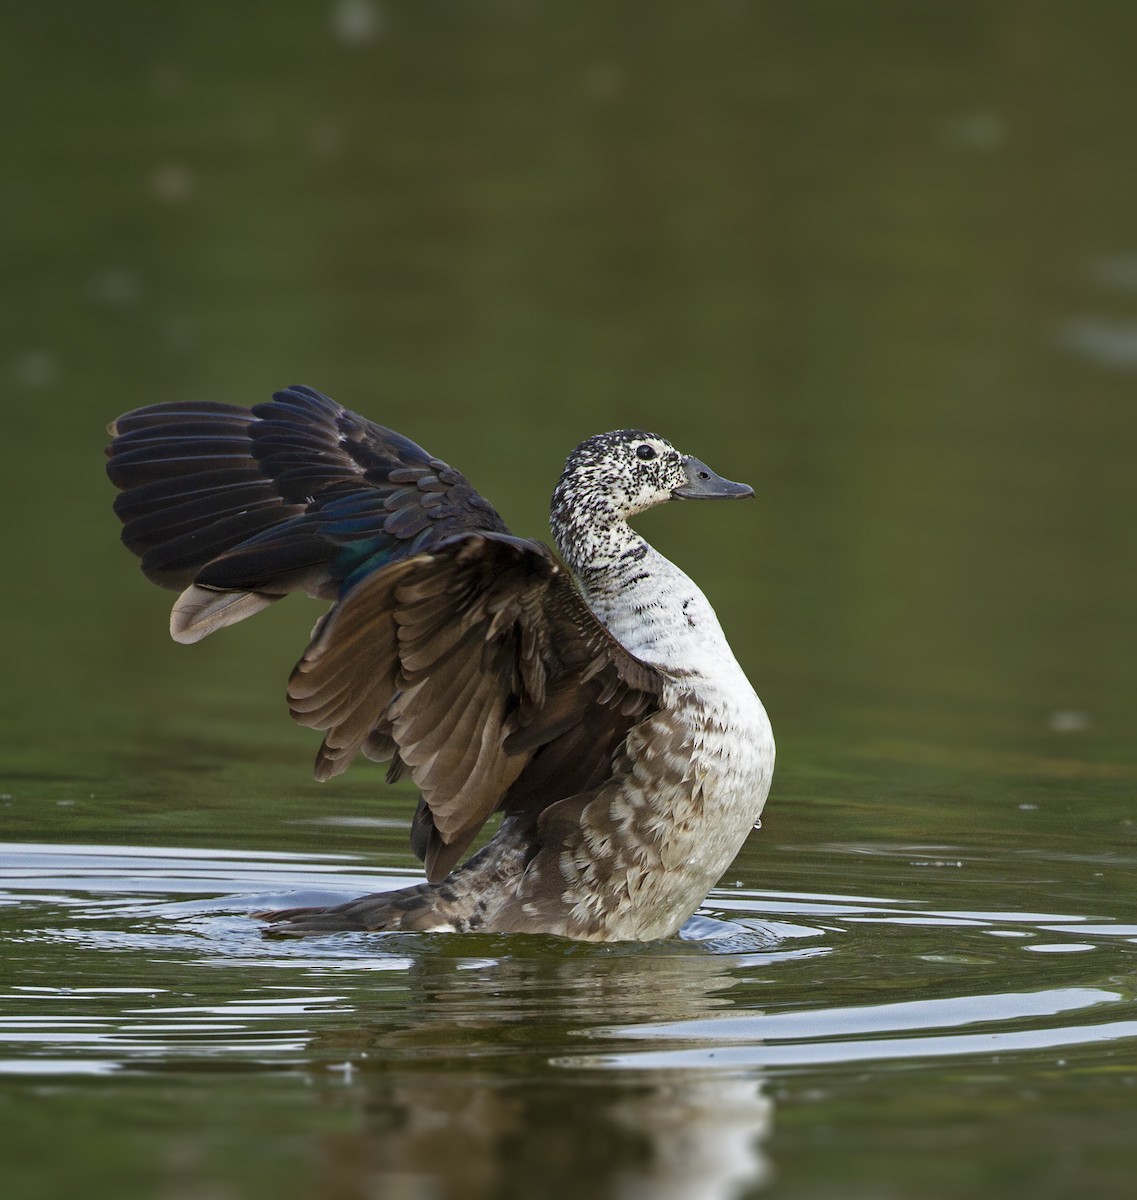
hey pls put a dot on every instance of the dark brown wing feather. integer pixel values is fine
(239, 506)
(480, 666)
(455, 652)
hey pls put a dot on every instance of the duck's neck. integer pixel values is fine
(646, 602)
(599, 545)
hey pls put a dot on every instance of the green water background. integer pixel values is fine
(877, 259)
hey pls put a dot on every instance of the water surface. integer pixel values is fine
(877, 260)
(137, 982)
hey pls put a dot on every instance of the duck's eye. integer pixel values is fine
(644, 451)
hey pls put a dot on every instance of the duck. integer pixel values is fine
(587, 699)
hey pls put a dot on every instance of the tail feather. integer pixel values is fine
(198, 612)
(425, 907)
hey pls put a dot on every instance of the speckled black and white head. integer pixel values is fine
(613, 476)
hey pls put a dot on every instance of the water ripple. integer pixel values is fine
(122, 958)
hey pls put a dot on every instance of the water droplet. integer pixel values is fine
(356, 21)
(37, 369)
(1117, 271)
(1070, 720)
(167, 81)
(179, 334)
(172, 182)
(327, 140)
(604, 82)
(1104, 343)
(116, 287)
(977, 131)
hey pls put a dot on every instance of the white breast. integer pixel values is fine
(654, 610)
(706, 813)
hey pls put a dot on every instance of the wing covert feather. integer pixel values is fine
(454, 651)
(478, 666)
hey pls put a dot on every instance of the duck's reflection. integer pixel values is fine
(466, 1089)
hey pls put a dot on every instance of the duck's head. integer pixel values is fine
(623, 473)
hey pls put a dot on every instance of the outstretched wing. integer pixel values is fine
(238, 507)
(477, 666)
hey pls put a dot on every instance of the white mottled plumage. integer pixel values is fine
(700, 769)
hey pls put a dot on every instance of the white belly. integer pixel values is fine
(660, 836)
(658, 839)
(702, 819)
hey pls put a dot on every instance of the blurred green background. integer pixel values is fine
(878, 259)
